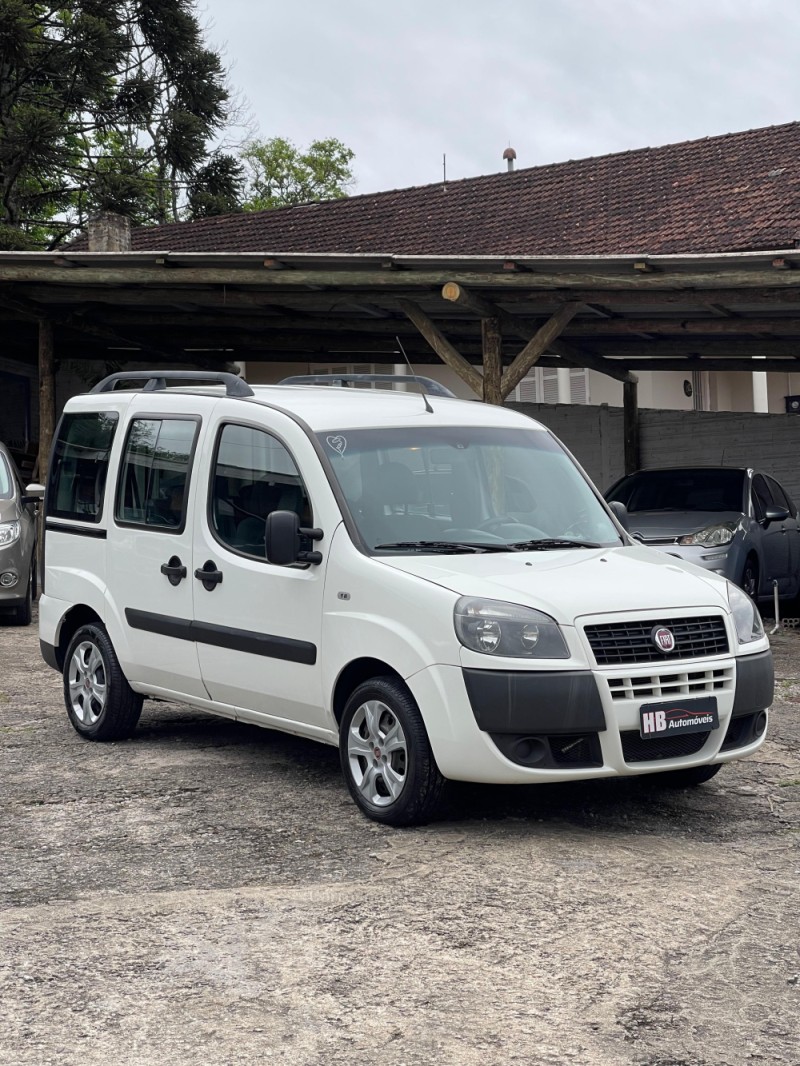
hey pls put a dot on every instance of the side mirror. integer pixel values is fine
(775, 514)
(620, 512)
(283, 536)
(33, 493)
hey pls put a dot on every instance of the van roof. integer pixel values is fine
(325, 407)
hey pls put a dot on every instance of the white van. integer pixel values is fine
(432, 585)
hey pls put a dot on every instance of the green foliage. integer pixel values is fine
(104, 104)
(278, 174)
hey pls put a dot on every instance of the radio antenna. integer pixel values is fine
(428, 407)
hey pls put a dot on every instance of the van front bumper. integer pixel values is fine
(498, 726)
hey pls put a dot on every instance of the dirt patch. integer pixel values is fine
(207, 892)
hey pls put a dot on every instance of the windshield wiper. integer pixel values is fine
(443, 546)
(555, 542)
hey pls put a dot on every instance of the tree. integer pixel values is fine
(104, 104)
(278, 174)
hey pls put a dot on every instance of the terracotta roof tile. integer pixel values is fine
(737, 192)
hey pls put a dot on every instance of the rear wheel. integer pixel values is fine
(385, 754)
(100, 703)
(749, 580)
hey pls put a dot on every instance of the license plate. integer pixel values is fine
(658, 720)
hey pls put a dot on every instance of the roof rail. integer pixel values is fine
(434, 388)
(156, 380)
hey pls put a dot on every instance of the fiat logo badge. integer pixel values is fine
(663, 638)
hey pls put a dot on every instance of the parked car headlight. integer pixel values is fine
(746, 618)
(494, 627)
(711, 536)
(9, 532)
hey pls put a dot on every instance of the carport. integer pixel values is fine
(490, 319)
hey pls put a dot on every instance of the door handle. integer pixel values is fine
(174, 570)
(209, 575)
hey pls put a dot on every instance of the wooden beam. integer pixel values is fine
(47, 395)
(442, 346)
(536, 346)
(630, 421)
(464, 297)
(365, 279)
(492, 344)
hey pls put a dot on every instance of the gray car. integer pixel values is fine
(17, 543)
(739, 523)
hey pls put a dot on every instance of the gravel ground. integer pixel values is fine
(207, 893)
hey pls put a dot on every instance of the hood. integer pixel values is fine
(574, 582)
(657, 525)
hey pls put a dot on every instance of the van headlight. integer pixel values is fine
(711, 536)
(746, 618)
(9, 532)
(493, 627)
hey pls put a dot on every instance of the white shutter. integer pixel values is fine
(549, 391)
(527, 391)
(578, 385)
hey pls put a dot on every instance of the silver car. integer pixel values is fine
(17, 543)
(736, 522)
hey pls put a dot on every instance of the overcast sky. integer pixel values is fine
(403, 81)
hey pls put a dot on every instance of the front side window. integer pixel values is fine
(78, 471)
(154, 473)
(469, 487)
(253, 476)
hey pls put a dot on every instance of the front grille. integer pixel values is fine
(675, 683)
(635, 749)
(631, 642)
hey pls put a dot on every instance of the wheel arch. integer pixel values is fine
(72, 621)
(356, 672)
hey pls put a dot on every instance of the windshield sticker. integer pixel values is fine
(337, 442)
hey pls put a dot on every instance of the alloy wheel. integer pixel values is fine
(377, 753)
(87, 683)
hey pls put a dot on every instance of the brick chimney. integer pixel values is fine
(109, 232)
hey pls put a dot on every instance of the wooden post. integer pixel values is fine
(492, 339)
(47, 395)
(630, 421)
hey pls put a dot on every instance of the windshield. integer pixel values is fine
(682, 490)
(6, 484)
(463, 489)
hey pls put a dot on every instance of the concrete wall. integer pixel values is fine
(676, 438)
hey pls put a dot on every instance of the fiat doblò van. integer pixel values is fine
(430, 584)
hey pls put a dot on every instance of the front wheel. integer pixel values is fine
(749, 581)
(386, 756)
(100, 703)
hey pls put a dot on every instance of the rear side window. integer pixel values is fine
(154, 473)
(78, 471)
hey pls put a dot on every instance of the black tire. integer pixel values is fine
(23, 613)
(415, 785)
(749, 578)
(688, 778)
(100, 703)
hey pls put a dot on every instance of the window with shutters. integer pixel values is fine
(541, 386)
